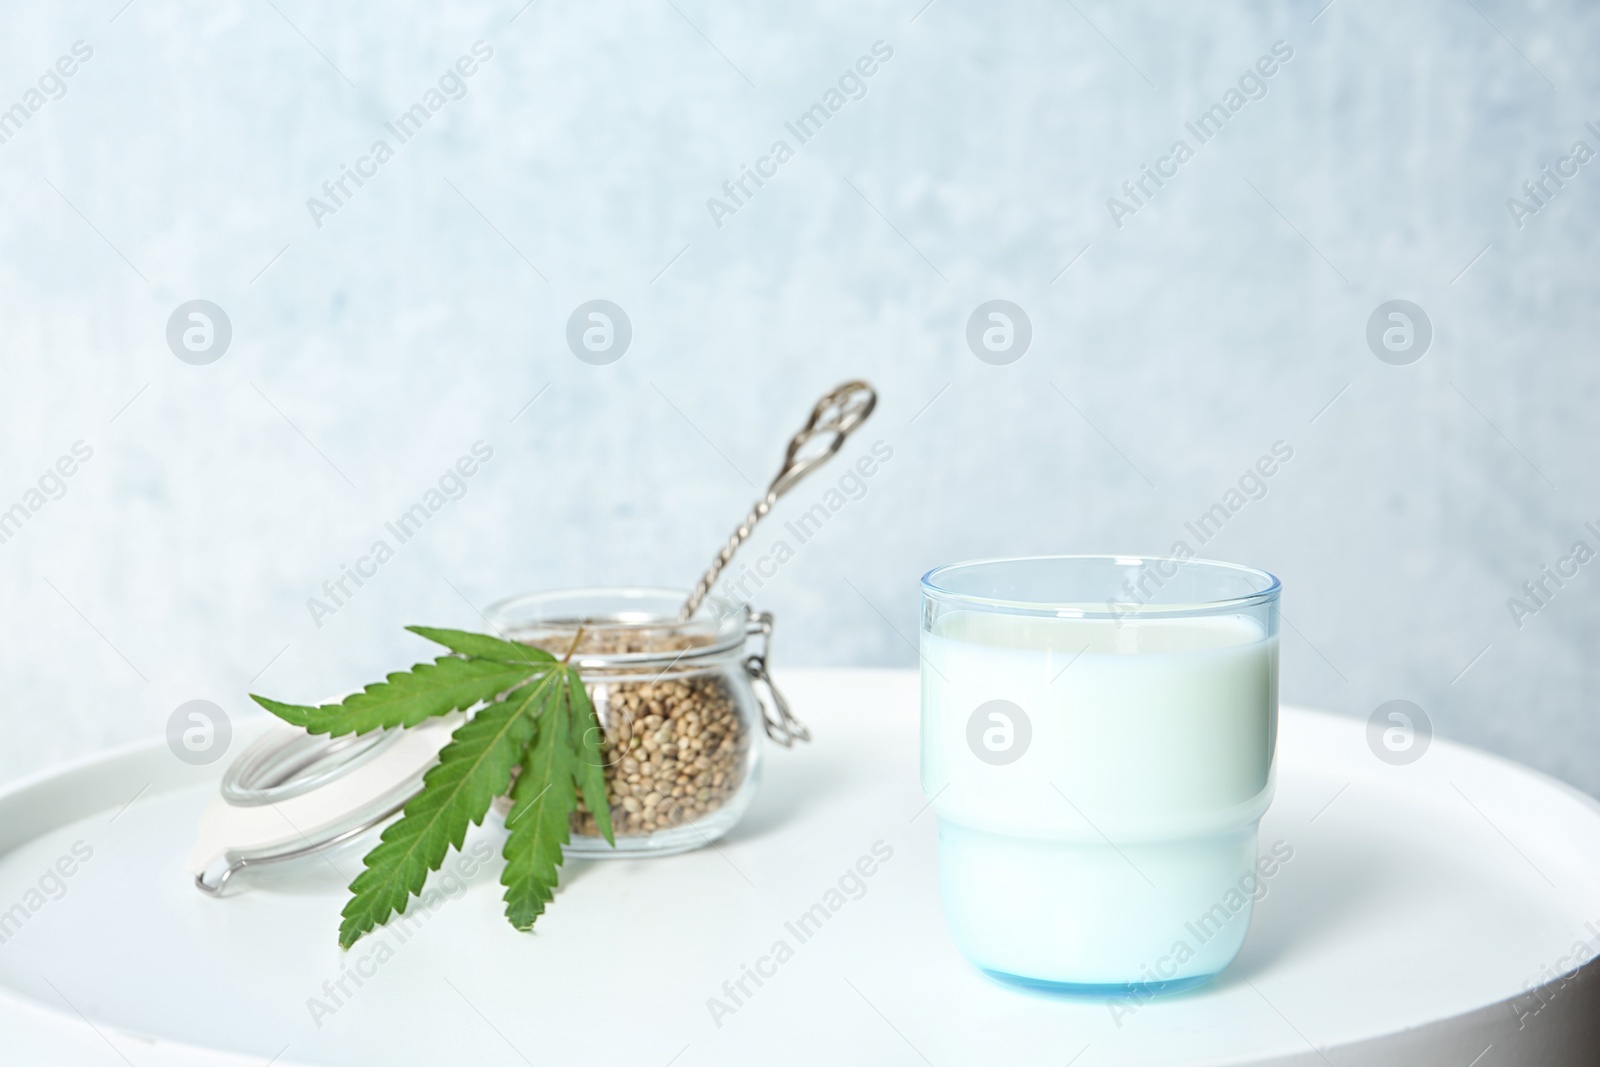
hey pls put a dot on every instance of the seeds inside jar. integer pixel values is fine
(674, 744)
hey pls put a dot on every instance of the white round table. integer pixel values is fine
(1429, 915)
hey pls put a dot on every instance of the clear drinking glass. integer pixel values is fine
(1098, 736)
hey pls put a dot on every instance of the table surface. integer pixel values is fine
(1416, 894)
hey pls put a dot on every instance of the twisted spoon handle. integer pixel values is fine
(835, 417)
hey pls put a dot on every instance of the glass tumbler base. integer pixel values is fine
(1092, 916)
(1098, 990)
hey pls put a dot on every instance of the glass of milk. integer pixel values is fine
(1097, 745)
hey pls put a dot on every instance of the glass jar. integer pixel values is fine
(676, 700)
(1098, 736)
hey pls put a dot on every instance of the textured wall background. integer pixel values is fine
(369, 353)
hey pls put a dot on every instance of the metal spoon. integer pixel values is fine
(833, 419)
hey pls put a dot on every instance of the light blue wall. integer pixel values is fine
(1222, 317)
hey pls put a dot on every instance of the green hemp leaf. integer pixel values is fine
(450, 683)
(533, 724)
(541, 805)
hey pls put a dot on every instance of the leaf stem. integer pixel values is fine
(575, 639)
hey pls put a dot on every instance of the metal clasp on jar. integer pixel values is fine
(780, 723)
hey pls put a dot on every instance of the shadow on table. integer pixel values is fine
(1317, 895)
(789, 785)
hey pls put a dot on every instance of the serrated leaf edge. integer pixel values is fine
(324, 718)
(521, 850)
(352, 930)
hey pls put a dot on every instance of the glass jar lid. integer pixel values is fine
(292, 795)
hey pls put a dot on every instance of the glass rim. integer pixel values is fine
(275, 768)
(1269, 588)
(724, 623)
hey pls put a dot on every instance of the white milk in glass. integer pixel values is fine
(1097, 826)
